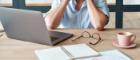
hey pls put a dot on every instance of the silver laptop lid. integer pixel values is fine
(24, 25)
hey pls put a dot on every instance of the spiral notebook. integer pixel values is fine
(110, 55)
(70, 52)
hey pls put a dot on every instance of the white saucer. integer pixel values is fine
(115, 43)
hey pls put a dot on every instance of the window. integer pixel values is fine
(131, 17)
(38, 2)
(5, 2)
(131, 20)
(111, 2)
(111, 23)
(131, 2)
(112, 14)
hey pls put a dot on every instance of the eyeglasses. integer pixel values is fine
(94, 36)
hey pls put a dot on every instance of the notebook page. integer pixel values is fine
(81, 50)
(114, 55)
(51, 54)
(109, 55)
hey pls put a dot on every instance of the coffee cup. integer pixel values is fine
(125, 38)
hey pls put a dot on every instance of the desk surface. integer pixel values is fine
(11, 49)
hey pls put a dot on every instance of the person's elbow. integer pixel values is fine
(101, 25)
(51, 27)
(103, 22)
(99, 28)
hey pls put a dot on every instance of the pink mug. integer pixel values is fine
(125, 38)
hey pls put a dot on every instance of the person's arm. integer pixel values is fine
(53, 18)
(98, 18)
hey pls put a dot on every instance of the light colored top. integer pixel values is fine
(78, 19)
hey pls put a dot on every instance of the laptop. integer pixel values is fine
(28, 25)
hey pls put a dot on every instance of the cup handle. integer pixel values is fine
(133, 38)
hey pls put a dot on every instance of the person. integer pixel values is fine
(77, 14)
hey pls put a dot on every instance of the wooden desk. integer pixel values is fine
(11, 49)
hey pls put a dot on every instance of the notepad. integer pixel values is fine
(109, 55)
(114, 55)
(69, 52)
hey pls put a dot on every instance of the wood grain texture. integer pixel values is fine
(11, 49)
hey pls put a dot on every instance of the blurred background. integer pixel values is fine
(123, 13)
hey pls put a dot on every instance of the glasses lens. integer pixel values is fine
(86, 34)
(96, 36)
(96, 39)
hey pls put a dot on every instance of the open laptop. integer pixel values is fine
(30, 26)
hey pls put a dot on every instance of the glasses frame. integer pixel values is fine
(90, 36)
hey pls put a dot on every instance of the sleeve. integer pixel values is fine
(101, 4)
